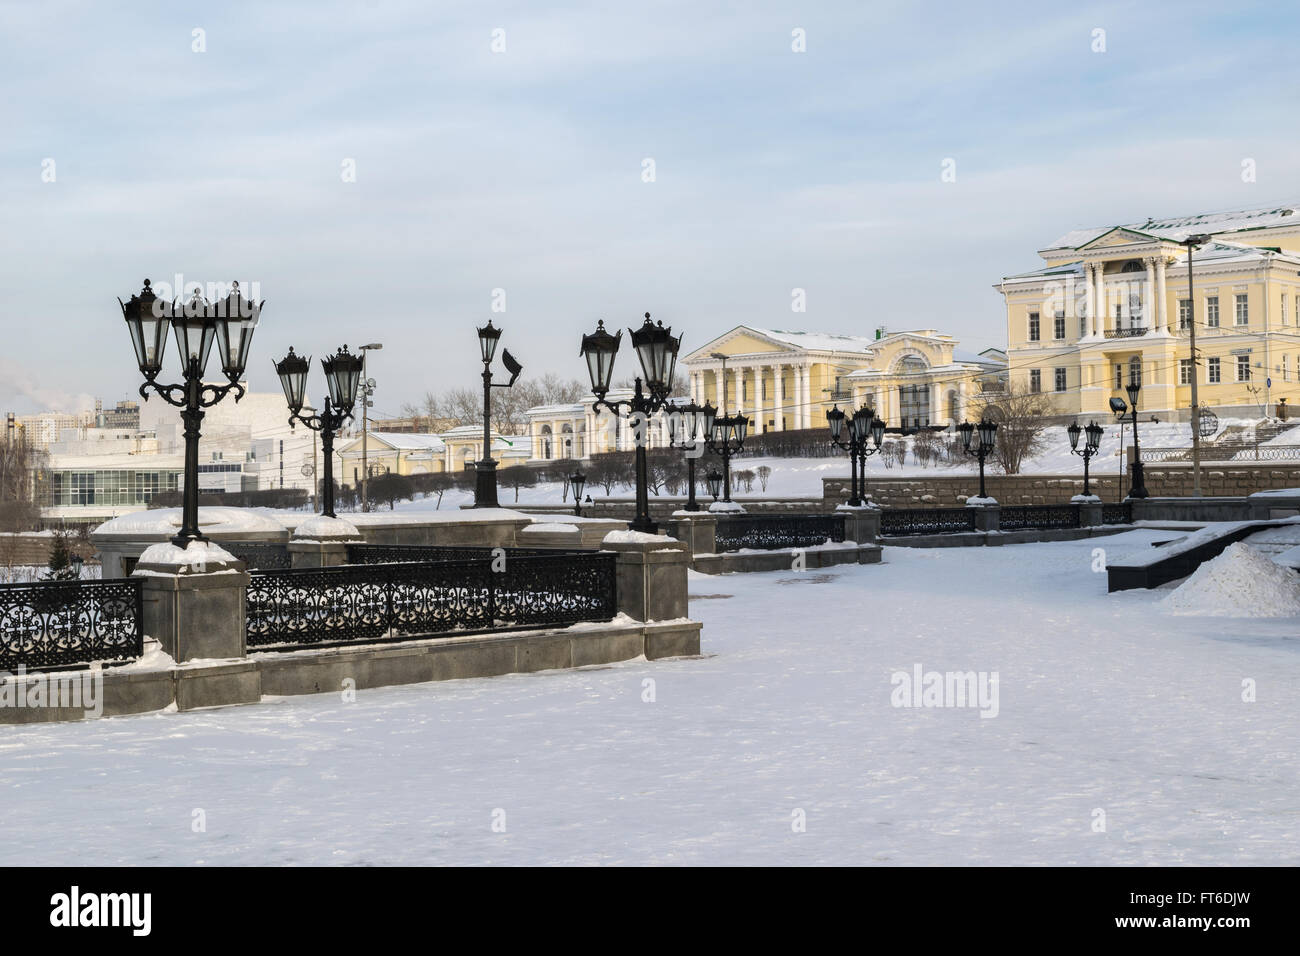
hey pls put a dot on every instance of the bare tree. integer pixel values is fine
(1021, 418)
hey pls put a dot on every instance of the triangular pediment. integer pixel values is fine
(1119, 236)
(742, 340)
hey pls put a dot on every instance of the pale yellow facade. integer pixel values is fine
(1113, 303)
(788, 380)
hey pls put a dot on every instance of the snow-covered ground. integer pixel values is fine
(1106, 703)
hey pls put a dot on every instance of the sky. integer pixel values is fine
(392, 171)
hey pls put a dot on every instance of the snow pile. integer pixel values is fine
(196, 556)
(321, 527)
(550, 527)
(633, 537)
(1240, 582)
(975, 501)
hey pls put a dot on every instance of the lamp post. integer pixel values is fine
(656, 349)
(576, 481)
(685, 423)
(1192, 242)
(1139, 488)
(195, 324)
(367, 389)
(485, 477)
(1090, 446)
(864, 426)
(988, 434)
(343, 372)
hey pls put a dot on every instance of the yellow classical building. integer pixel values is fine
(1112, 304)
(788, 380)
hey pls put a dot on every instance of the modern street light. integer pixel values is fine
(342, 378)
(485, 478)
(988, 433)
(1090, 446)
(685, 425)
(576, 481)
(1139, 488)
(367, 389)
(195, 324)
(656, 349)
(864, 426)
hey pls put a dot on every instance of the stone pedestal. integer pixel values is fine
(1089, 514)
(322, 542)
(651, 575)
(194, 601)
(698, 530)
(860, 524)
(987, 517)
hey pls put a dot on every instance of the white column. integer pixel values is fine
(797, 411)
(758, 399)
(778, 391)
(1090, 298)
(805, 383)
(719, 379)
(1103, 307)
(1149, 318)
(1162, 301)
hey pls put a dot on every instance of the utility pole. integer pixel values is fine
(1191, 242)
(367, 389)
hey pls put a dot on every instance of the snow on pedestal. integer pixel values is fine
(726, 508)
(633, 537)
(1085, 500)
(978, 502)
(324, 528)
(195, 557)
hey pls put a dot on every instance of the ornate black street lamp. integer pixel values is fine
(1090, 446)
(485, 478)
(726, 440)
(342, 377)
(576, 482)
(656, 349)
(864, 426)
(714, 482)
(988, 433)
(196, 324)
(685, 425)
(1139, 488)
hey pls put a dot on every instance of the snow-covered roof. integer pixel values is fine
(411, 441)
(818, 341)
(1181, 227)
(122, 462)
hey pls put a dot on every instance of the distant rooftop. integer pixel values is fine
(1181, 227)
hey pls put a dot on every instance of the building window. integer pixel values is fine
(1083, 326)
(1060, 379)
(1286, 371)
(1212, 371)
(1135, 371)
(1212, 312)
(1284, 309)
(1058, 326)
(1242, 316)
(1119, 377)
(1243, 368)
(1184, 313)
(1033, 327)
(1184, 371)
(1035, 380)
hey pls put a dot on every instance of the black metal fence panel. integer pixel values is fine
(1117, 513)
(1038, 517)
(401, 553)
(261, 557)
(907, 521)
(366, 603)
(775, 532)
(63, 623)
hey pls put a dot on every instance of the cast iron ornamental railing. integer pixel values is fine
(1245, 452)
(261, 557)
(373, 603)
(403, 553)
(1117, 513)
(775, 532)
(63, 623)
(1038, 517)
(906, 521)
